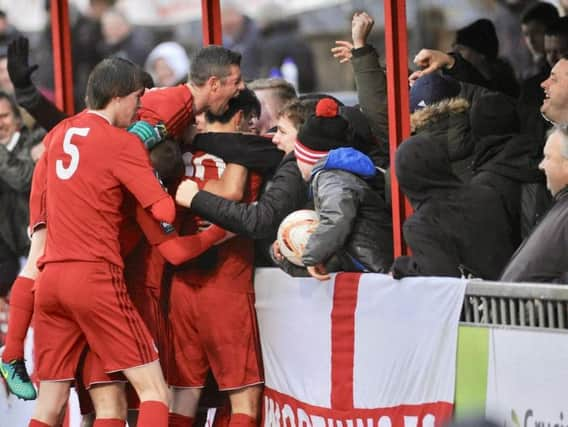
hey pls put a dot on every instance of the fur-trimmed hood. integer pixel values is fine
(434, 113)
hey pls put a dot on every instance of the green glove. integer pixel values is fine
(148, 134)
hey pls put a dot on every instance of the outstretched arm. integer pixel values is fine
(27, 94)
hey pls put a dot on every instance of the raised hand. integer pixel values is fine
(430, 60)
(342, 51)
(361, 26)
(19, 69)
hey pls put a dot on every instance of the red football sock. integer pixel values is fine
(153, 414)
(177, 420)
(36, 423)
(242, 420)
(21, 310)
(109, 422)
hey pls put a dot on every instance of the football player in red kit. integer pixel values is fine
(81, 291)
(212, 309)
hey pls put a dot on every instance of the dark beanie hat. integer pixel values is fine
(322, 132)
(481, 37)
(430, 89)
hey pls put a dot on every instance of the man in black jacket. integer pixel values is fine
(456, 228)
(541, 257)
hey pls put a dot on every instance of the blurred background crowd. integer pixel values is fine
(269, 33)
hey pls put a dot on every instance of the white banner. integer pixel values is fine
(527, 378)
(361, 349)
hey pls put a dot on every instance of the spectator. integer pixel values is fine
(273, 95)
(370, 80)
(541, 256)
(456, 228)
(504, 159)
(478, 44)
(506, 17)
(535, 22)
(563, 6)
(280, 41)
(556, 41)
(7, 31)
(355, 230)
(439, 111)
(86, 33)
(16, 169)
(168, 64)
(121, 39)
(241, 34)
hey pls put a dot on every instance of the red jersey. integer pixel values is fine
(172, 106)
(143, 261)
(89, 165)
(235, 258)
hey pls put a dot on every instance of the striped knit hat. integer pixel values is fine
(322, 132)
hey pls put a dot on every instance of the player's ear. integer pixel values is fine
(213, 83)
(238, 119)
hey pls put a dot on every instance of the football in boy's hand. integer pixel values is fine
(294, 232)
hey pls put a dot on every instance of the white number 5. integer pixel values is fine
(72, 150)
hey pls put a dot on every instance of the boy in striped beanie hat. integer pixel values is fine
(354, 231)
(322, 132)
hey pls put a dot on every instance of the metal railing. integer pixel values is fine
(516, 304)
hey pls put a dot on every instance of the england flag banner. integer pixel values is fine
(359, 350)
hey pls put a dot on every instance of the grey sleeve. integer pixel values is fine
(16, 169)
(337, 202)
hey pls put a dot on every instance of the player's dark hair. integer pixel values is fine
(167, 160)
(212, 61)
(558, 28)
(13, 105)
(543, 13)
(246, 101)
(112, 77)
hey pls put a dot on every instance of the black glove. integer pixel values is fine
(18, 68)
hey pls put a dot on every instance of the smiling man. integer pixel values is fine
(16, 168)
(555, 105)
(541, 257)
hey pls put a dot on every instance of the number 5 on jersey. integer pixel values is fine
(73, 151)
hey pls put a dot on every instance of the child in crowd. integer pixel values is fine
(354, 231)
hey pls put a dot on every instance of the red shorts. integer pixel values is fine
(213, 328)
(146, 301)
(80, 303)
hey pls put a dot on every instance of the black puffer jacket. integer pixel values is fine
(542, 256)
(503, 159)
(448, 122)
(454, 224)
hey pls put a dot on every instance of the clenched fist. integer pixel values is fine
(185, 193)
